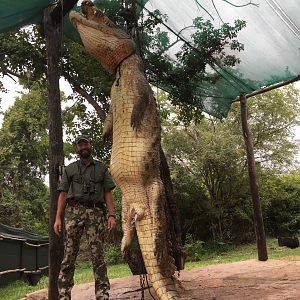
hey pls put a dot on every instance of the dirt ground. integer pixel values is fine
(252, 279)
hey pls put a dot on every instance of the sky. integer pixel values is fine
(14, 90)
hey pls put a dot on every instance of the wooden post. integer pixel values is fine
(53, 35)
(258, 219)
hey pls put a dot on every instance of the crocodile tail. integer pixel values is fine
(151, 231)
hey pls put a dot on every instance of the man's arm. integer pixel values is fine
(111, 222)
(61, 204)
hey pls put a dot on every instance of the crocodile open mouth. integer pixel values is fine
(101, 37)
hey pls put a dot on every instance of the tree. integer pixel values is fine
(23, 163)
(281, 200)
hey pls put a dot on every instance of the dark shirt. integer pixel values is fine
(86, 183)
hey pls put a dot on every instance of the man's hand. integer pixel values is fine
(57, 226)
(111, 223)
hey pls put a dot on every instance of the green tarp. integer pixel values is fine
(271, 40)
(21, 253)
(16, 13)
(12, 233)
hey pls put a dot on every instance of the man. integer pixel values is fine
(85, 190)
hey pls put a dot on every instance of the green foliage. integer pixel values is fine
(193, 249)
(23, 163)
(282, 205)
(209, 172)
(192, 200)
(272, 117)
(23, 53)
(197, 250)
(24, 136)
(209, 44)
(207, 48)
(113, 255)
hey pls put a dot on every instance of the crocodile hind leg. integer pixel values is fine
(151, 231)
(127, 228)
(131, 212)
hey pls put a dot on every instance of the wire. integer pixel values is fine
(284, 17)
(142, 284)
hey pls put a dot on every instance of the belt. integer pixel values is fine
(87, 204)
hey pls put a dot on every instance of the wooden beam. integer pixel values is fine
(258, 219)
(269, 88)
(53, 34)
(12, 271)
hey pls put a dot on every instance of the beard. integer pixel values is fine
(85, 153)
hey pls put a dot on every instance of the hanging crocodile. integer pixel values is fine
(133, 122)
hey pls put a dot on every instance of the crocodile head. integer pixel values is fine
(101, 37)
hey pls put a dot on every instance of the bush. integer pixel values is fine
(196, 250)
(282, 213)
(112, 254)
(193, 248)
(216, 247)
(283, 217)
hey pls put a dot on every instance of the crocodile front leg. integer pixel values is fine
(107, 133)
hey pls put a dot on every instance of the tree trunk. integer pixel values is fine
(258, 219)
(172, 213)
(53, 35)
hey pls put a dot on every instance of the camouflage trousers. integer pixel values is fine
(78, 219)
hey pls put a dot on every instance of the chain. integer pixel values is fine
(144, 283)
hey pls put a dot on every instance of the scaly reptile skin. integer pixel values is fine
(134, 123)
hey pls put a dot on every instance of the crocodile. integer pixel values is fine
(134, 125)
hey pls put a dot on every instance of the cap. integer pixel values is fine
(82, 137)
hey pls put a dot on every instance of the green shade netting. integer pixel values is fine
(16, 13)
(271, 44)
(271, 41)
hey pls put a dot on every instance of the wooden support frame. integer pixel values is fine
(258, 218)
(53, 34)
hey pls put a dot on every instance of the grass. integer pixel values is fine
(83, 274)
(246, 252)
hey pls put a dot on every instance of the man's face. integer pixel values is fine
(84, 149)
